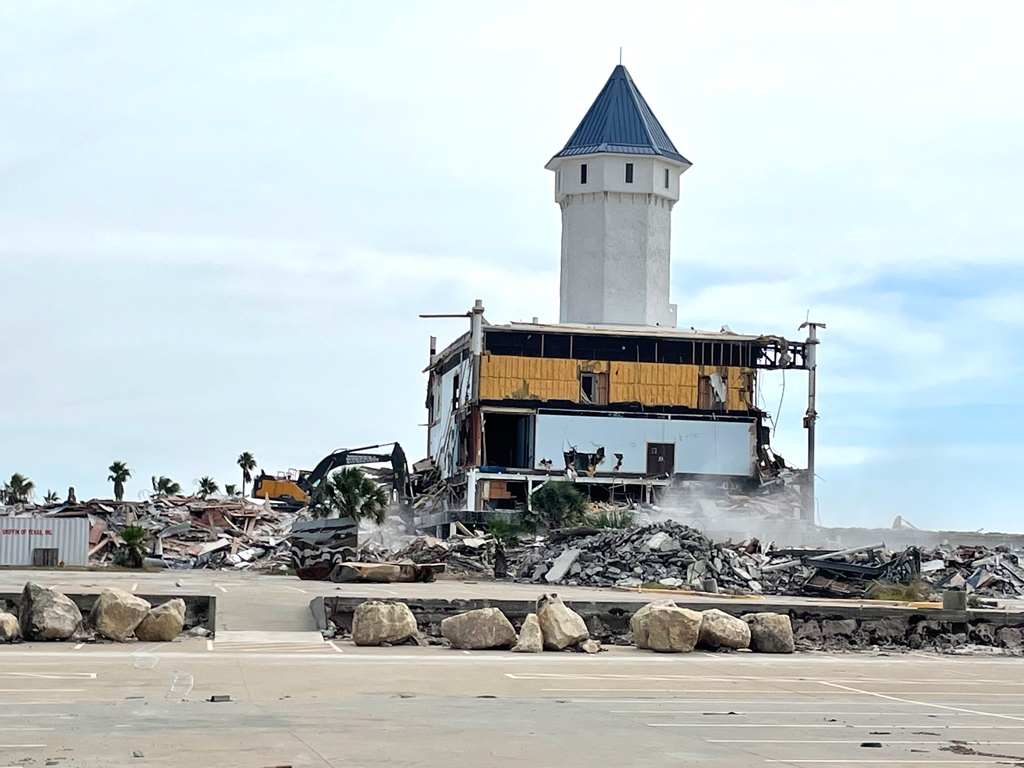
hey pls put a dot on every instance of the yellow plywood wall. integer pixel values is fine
(653, 384)
(534, 378)
(528, 378)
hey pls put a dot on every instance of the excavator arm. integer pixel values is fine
(312, 482)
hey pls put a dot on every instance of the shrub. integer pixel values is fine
(556, 504)
(504, 530)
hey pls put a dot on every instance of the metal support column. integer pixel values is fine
(812, 414)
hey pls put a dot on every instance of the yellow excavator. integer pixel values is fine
(306, 488)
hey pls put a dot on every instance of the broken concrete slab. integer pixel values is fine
(560, 567)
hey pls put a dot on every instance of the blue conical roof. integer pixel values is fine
(620, 122)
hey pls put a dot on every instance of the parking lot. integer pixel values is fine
(298, 700)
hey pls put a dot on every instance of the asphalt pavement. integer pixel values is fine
(300, 701)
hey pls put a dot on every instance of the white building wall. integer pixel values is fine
(442, 437)
(20, 536)
(701, 447)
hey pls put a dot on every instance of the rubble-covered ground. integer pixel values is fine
(244, 533)
(185, 531)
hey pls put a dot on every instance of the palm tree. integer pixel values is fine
(207, 485)
(230, 489)
(18, 490)
(133, 548)
(119, 474)
(51, 497)
(247, 462)
(350, 493)
(164, 486)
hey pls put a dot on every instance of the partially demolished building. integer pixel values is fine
(614, 396)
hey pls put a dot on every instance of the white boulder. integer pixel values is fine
(560, 625)
(375, 622)
(117, 613)
(46, 614)
(665, 627)
(479, 629)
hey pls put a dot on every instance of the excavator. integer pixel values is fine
(305, 487)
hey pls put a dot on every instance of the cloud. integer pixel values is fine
(217, 231)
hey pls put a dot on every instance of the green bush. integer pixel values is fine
(504, 530)
(556, 504)
(133, 549)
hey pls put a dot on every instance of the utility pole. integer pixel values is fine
(811, 359)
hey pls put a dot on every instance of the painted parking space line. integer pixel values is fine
(51, 676)
(696, 694)
(892, 697)
(335, 647)
(42, 690)
(218, 586)
(297, 589)
(928, 719)
(835, 725)
(791, 761)
(856, 741)
(21, 746)
(755, 678)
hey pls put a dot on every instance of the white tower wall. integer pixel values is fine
(616, 238)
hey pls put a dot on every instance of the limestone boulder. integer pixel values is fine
(479, 629)
(665, 627)
(163, 623)
(770, 632)
(560, 625)
(531, 639)
(720, 630)
(10, 628)
(117, 613)
(590, 646)
(46, 614)
(375, 622)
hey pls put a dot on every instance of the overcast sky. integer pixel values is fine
(219, 222)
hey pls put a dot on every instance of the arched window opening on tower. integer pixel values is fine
(629, 173)
(583, 173)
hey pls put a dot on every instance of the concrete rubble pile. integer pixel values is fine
(997, 572)
(838, 573)
(185, 531)
(461, 555)
(777, 497)
(668, 554)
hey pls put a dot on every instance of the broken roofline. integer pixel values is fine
(777, 351)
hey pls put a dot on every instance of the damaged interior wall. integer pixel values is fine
(687, 446)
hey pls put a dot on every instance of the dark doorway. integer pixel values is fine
(508, 440)
(661, 458)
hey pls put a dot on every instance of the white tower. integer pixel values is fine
(616, 181)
